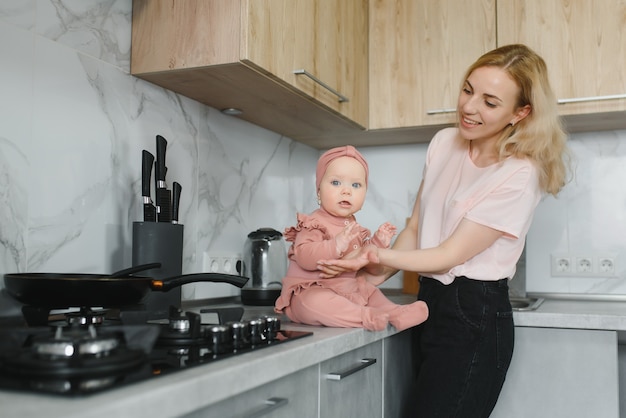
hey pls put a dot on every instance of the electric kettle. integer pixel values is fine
(265, 264)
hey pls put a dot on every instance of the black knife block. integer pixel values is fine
(159, 242)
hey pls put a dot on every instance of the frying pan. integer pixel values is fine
(58, 290)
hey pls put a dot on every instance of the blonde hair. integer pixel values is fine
(539, 136)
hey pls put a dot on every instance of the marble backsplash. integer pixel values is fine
(74, 122)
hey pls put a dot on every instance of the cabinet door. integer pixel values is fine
(291, 396)
(419, 50)
(351, 384)
(583, 43)
(326, 38)
(561, 373)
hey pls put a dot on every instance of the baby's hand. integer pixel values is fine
(343, 239)
(385, 233)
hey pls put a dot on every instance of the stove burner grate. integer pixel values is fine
(71, 352)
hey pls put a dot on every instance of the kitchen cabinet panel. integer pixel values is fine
(291, 396)
(243, 53)
(561, 373)
(398, 63)
(584, 46)
(326, 38)
(419, 50)
(351, 384)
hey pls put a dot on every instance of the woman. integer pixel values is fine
(481, 184)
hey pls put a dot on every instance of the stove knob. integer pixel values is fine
(272, 326)
(256, 328)
(240, 334)
(220, 339)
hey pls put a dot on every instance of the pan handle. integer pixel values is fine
(136, 269)
(172, 282)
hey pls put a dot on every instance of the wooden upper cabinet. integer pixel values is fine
(243, 54)
(584, 45)
(419, 50)
(325, 39)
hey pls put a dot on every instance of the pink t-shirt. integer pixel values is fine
(502, 196)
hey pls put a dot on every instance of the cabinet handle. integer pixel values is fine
(366, 362)
(441, 111)
(270, 405)
(591, 98)
(341, 97)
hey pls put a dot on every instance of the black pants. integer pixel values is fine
(464, 348)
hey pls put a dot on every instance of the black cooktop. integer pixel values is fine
(89, 351)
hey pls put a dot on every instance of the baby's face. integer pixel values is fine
(343, 187)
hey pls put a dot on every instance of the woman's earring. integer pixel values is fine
(319, 200)
(512, 123)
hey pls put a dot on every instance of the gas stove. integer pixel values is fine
(91, 350)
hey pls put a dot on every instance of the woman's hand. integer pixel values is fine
(354, 262)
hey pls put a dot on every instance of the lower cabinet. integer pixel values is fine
(554, 373)
(362, 383)
(351, 384)
(561, 373)
(291, 396)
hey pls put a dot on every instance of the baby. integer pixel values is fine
(331, 232)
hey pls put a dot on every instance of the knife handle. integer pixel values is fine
(177, 189)
(161, 148)
(147, 160)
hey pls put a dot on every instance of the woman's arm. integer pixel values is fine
(468, 240)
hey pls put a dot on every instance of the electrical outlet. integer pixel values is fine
(561, 265)
(222, 263)
(584, 265)
(606, 266)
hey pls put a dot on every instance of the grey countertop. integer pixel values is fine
(575, 314)
(192, 389)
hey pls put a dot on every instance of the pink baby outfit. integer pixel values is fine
(342, 301)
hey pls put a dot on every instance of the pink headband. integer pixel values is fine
(334, 153)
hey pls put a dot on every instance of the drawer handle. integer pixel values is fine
(441, 111)
(341, 97)
(269, 405)
(366, 362)
(591, 98)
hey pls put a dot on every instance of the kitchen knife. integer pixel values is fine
(163, 197)
(149, 211)
(176, 189)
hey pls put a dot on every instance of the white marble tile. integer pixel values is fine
(20, 13)
(79, 190)
(16, 85)
(98, 28)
